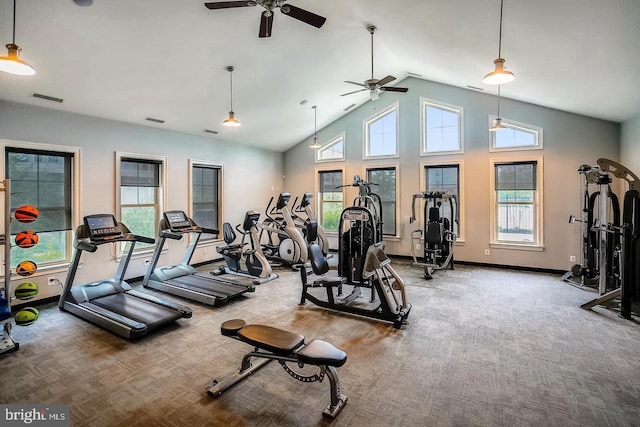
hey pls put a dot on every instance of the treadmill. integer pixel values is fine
(182, 279)
(113, 304)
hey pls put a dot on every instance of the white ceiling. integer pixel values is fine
(131, 59)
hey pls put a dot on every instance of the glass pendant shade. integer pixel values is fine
(497, 125)
(498, 76)
(13, 64)
(231, 121)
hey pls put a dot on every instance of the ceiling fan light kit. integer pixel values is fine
(12, 63)
(499, 75)
(231, 121)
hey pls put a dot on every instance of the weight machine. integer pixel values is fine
(436, 234)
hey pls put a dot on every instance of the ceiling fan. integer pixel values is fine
(266, 19)
(83, 3)
(373, 85)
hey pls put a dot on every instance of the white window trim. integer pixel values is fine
(539, 245)
(396, 166)
(517, 126)
(164, 160)
(317, 191)
(461, 205)
(76, 220)
(374, 117)
(192, 163)
(423, 126)
(332, 141)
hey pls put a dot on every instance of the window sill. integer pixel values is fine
(517, 246)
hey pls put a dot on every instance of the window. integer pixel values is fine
(516, 136)
(517, 188)
(332, 150)
(447, 178)
(441, 128)
(141, 193)
(206, 179)
(330, 199)
(381, 133)
(386, 188)
(42, 179)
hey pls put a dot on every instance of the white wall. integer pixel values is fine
(630, 144)
(569, 141)
(249, 175)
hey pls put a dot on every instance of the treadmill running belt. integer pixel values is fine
(208, 285)
(151, 314)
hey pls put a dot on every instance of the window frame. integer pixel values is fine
(340, 137)
(204, 239)
(424, 103)
(518, 126)
(538, 243)
(76, 200)
(318, 198)
(461, 194)
(396, 167)
(161, 192)
(394, 107)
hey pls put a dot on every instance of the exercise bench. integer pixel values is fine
(277, 344)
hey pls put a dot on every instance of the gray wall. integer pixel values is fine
(569, 141)
(249, 174)
(630, 144)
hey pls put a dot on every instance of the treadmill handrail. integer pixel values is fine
(88, 245)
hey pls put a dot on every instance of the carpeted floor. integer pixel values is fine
(484, 346)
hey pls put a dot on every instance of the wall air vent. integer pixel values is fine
(151, 119)
(349, 107)
(47, 97)
(215, 132)
(475, 87)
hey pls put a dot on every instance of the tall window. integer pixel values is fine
(386, 188)
(515, 136)
(332, 150)
(441, 128)
(206, 191)
(141, 195)
(517, 196)
(381, 133)
(42, 179)
(330, 199)
(445, 178)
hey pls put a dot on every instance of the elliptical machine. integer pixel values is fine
(437, 233)
(303, 216)
(257, 266)
(282, 242)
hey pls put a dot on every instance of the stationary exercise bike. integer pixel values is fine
(282, 242)
(257, 266)
(436, 234)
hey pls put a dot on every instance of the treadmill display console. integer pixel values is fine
(177, 221)
(102, 227)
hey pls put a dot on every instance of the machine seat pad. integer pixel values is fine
(229, 248)
(330, 281)
(319, 352)
(231, 327)
(277, 341)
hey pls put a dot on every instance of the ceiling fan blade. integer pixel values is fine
(355, 83)
(386, 80)
(355, 91)
(266, 23)
(394, 89)
(303, 15)
(229, 4)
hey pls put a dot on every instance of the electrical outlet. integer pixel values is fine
(52, 281)
(572, 258)
(487, 252)
(418, 247)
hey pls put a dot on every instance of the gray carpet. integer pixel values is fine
(484, 347)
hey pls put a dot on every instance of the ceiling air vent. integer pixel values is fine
(215, 132)
(475, 87)
(349, 107)
(151, 119)
(47, 97)
(414, 74)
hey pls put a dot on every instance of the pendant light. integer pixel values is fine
(231, 120)
(499, 75)
(497, 123)
(315, 128)
(12, 63)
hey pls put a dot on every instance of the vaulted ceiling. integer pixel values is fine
(128, 60)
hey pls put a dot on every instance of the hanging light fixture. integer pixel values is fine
(315, 128)
(231, 120)
(499, 75)
(12, 63)
(497, 123)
